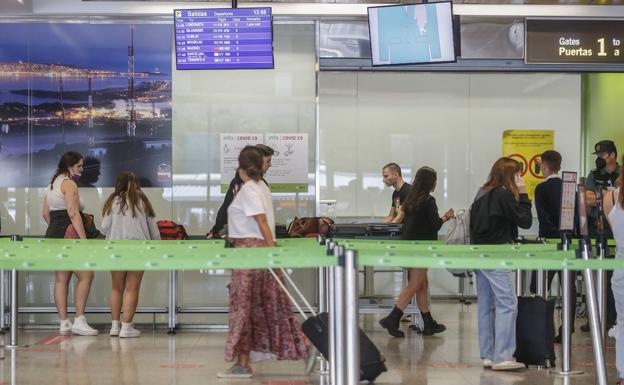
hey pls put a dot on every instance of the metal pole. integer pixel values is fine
(332, 325)
(322, 305)
(339, 316)
(566, 326)
(594, 319)
(352, 343)
(2, 301)
(173, 300)
(519, 282)
(13, 328)
(540, 284)
(601, 289)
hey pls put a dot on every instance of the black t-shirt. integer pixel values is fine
(400, 195)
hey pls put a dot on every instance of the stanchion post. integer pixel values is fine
(173, 300)
(2, 301)
(540, 284)
(339, 319)
(566, 325)
(601, 288)
(594, 319)
(352, 343)
(14, 304)
(519, 282)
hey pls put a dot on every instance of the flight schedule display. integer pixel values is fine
(232, 38)
(574, 41)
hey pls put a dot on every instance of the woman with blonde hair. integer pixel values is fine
(501, 206)
(62, 208)
(127, 214)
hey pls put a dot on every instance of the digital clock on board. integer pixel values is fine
(574, 41)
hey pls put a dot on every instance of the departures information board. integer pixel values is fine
(574, 41)
(233, 38)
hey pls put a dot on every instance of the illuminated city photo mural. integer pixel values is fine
(103, 90)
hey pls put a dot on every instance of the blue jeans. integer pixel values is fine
(498, 308)
(617, 284)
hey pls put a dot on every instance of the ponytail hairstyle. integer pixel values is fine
(423, 183)
(503, 174)
(250, 161)
(128, 191)
(68, 160)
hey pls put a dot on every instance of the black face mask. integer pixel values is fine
(600, 163)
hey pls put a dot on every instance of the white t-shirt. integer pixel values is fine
(253, 198)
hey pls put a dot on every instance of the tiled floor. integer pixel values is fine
(451, 358)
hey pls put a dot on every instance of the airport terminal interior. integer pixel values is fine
(443, 174)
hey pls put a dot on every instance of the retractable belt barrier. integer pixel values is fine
(343, 255)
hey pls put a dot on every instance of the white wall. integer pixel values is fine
(451, 122)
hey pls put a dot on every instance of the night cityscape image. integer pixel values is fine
(103, 90)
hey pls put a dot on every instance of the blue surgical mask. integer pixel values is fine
(75, 177)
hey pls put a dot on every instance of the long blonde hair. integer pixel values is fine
(128, 190)
(503, 174)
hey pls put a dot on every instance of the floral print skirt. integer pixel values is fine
(261, 319)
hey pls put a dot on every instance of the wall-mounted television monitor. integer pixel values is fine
(231, 38)
(412, 34)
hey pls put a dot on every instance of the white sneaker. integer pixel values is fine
(114, 331)
(488, 363)
(82, 328)
(613, 331)
(508, 365)
(66, 327)
(128, 331)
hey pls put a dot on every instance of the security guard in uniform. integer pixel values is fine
(602, 178)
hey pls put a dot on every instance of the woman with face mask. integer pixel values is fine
(62, 212)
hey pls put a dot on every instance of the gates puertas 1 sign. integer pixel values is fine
(574, 41)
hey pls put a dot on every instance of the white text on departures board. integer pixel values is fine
(197, 13)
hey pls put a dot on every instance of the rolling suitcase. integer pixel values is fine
(316, 329)
(535, 331)
(351, 230)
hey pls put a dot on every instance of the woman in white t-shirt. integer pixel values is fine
(127, 215)
(261, 321)
(61, 211)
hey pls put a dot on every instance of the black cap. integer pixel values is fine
(605, 146)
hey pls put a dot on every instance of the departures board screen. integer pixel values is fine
(574, 41)
(232, 38)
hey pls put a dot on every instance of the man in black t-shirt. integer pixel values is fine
(392, 178)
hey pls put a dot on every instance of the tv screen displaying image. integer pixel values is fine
(412, 34)
(232, 38)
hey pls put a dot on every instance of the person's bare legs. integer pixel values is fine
(118, 284)
(61, 285)
(85, 278)
(131, 294)
(417, 285)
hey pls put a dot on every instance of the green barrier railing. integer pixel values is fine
(101, 255)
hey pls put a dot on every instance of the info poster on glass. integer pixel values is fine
(289, 164)
(231, 146)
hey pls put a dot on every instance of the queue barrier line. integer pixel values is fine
(45, 255)
(101, 255)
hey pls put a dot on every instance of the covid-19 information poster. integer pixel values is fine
(289, 164)
(526, 146)
(289, 168)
